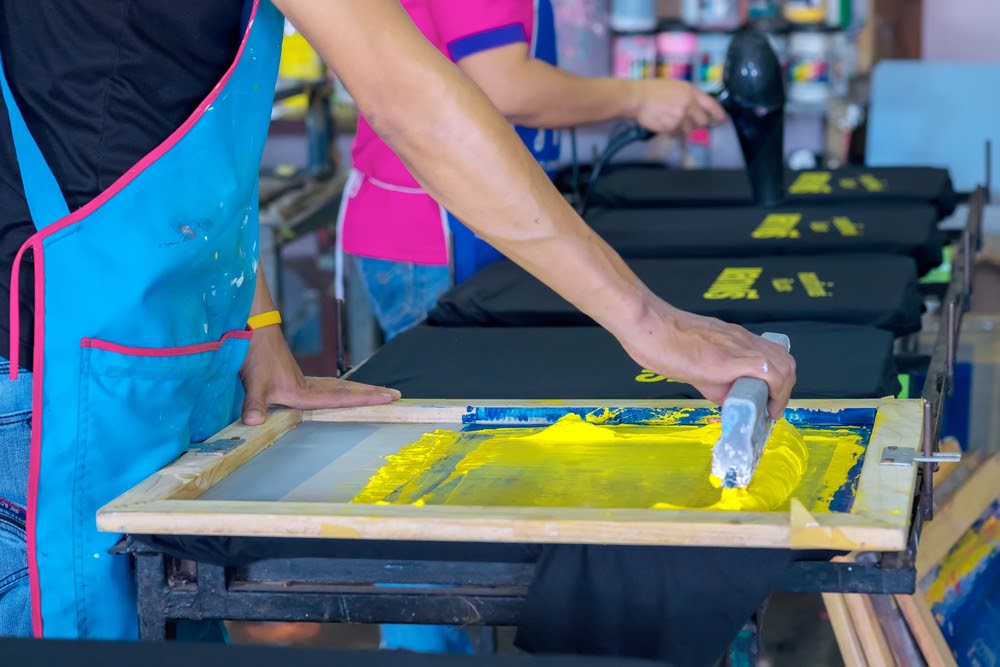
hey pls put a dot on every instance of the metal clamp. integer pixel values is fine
(223, 446)
(907, 456)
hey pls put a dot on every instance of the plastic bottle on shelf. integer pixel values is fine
(809, 50)
(710, 59)
(634, 55)
(630, 16)
(839, 14)
(691, 12)
(763, 9)
(806, 11)
(722, 14)
(676, 46)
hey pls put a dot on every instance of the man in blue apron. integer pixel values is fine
(128, 228)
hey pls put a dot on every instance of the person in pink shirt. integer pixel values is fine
(408, 249)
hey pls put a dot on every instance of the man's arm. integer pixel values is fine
(271, 376)
(532, 93)
(467, 156)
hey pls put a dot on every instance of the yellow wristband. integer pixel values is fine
(264, 319)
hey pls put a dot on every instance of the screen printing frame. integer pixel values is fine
(167, 502)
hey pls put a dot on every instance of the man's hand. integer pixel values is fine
(675, 107)
(709, 354)
(271, 376)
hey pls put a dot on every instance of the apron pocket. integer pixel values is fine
(140, 408)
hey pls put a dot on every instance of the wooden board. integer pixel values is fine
(953, 615)
(179, 498)
(844, 630)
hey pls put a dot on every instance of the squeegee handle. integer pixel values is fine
(754, 390)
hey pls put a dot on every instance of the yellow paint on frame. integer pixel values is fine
(577, 463)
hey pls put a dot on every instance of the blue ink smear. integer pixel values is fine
(537, 415)
(969, 616)
(615, 415)
(843, 498)
(845, 417)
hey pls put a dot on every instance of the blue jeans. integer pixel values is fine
(15, 448)
(401, 293)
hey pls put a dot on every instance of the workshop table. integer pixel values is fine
(332, 581)
(331, 575)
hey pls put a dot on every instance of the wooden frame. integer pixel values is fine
(167, 503)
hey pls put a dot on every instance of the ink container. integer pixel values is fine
(634, 55)
(710, 60)
(809, 70)
(676, 46)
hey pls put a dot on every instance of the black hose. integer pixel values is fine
(615, 145)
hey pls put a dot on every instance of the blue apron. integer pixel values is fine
(469, 251)
(141, 305)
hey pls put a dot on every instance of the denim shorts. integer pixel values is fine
(401, 293)
(15, 447)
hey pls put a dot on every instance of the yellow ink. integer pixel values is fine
(811, 183)
(648, 376)
(578, 463)
(820, 226)
(778, 226)
(783, 285)
(735, 283)
(848, 183)
(814, 287)
(872, 183)
(847, 227)
(779, 472)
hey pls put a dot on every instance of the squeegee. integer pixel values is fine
(746, 426)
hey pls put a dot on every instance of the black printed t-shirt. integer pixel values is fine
(524, 363)
(649, 185)
(100, 83)
(865, 289)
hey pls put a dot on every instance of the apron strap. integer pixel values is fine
(45, 199)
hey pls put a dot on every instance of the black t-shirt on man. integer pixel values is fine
(100, 84)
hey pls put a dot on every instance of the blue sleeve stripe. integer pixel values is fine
(486, 40)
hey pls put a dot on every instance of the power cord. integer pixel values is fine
(616, 143)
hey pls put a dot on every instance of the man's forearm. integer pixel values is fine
(465, 154)
(533, 93)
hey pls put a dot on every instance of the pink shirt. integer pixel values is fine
(385, 214)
